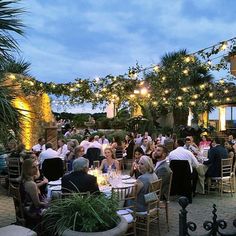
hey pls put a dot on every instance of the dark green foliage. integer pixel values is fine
(84, 214)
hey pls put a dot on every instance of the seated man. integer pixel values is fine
(79, 180)
(215, 154)
(162, 170)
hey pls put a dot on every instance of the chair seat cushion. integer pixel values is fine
(144, 213)
(127, 215)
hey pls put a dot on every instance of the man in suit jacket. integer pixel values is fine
(215, 154)
(79, 180)
(162, 170)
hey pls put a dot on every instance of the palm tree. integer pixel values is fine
(10, 23)
(175, 74)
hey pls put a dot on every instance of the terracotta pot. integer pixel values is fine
(232, 60)
(120, 229)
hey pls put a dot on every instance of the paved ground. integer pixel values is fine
(199, 211)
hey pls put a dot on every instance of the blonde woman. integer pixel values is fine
(146, 168)
(109, 162)
(31, 197)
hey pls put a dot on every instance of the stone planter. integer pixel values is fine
(120, 229)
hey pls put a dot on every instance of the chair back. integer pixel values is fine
(93, 154)
(170, 182)
(14, 168)
(181, 180)
(82, 194)
(53, 168)
(19, 211)
(154, 187)
(226, 167)
(124, 195)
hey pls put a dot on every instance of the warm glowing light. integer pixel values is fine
(156, 69)
(141, 83)
(11, 76)
(224, 46)
(185, 89)
(185, 72)
(78, 85)
(222, 118)
(72, 89)
(154, 103)
(132, 95)
(179, 98)
(53, 86)
(226, 91)
(228, 99)
(211, 94)
(209, 62)
(221, 81)
(104, 89)
(195, 96)
(166, 91)
(144, 91)
(202, 86)
(163, 78)
(136, 91)
(187, 59)
(97, 79)
(192, 103)
(164, 99)
(180, 104)
(25, 120)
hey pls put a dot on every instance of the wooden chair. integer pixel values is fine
(167, 201)
(19, 211)
(121, 163)
(14, 171)
(144, 219)
(233, 178)
(126, 197)
(82, 194)
(225, 180)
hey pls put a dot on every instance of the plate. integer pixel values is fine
(129, 181)
(56, 182)
(123, 177)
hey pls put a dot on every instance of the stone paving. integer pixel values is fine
(199, 211)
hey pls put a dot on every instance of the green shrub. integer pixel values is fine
(84, 214)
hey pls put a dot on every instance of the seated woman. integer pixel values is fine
(109, 162)
(33, 202)
(204, 143)
(146, 168)
(134, 168)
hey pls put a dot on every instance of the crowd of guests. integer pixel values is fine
(145, 158)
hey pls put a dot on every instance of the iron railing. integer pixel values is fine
(213, 227)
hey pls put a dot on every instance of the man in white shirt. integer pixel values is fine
(85, 143)
(103, 140)
(95, 143)
(62, 150)
(40, 146)
(180, 153)
(47, 154)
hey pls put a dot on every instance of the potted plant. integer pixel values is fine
(78, 215)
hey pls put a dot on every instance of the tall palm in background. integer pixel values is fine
(170, 80)
(10, 24)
